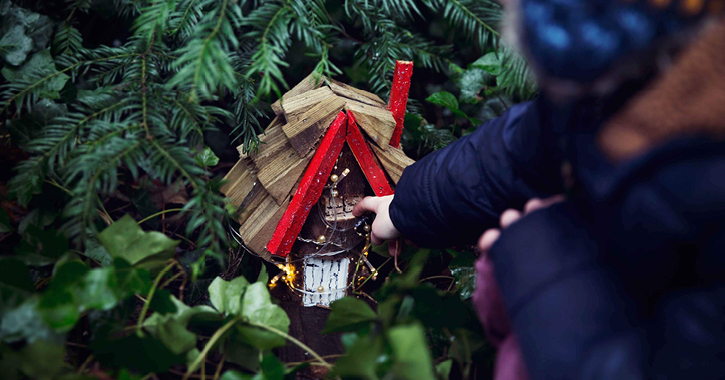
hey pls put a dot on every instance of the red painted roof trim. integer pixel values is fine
(310, 188)
(364, 156)
(399, 97)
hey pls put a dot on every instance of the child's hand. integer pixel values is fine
(489, 301)
(383, 228)
(510, 216)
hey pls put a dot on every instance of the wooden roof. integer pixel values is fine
(261, 184)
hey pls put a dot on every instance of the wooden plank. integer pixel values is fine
(309, 189)
(304, 133)
(260, 225)
(295, 107)
(239, 183)
(353, 93)
(377, 122)
(311, 82)
(276, 123)
(399, 97)
(276, 164)
(250, 203)
(375, 176)
(394, 161)
(271, 144)
(280, 175)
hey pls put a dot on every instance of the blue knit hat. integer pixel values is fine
(579, 40)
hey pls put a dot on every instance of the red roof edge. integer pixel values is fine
(309, 189)
(364, 156)
(399, 97)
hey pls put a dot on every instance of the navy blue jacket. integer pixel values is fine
(622, 281)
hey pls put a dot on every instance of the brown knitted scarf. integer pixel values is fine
(689, 99)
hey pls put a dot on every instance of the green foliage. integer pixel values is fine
(463, 270)
(412, 315)
(109, 131)
(126, 240)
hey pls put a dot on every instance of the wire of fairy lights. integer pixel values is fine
(288, 271)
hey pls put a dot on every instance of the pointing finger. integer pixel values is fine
(488, 239)
(509, 217)
(365, 205)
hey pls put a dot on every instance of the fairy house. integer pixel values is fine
(329, 146)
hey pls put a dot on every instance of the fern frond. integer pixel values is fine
(59, 139)
(67, 41)
(204, 65)
(270, 25)
(478, 19)
(184, 20)
(153, 19)
(516, 77)
(97, 172)
(246, 114)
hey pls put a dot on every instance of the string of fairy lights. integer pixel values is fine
(289, 271)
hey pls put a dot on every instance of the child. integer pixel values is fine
(624, 279)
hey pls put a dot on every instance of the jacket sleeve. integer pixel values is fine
(569, 314)
(452, 195)
(631, 289)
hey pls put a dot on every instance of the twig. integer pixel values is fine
(398, 251)
(85, 364)
(292, 339)
(373, 274)
(434, 277)
(146, 304)
(311, 360)
(174, 277)
(214, 338)
(158, 213)
(219, 366)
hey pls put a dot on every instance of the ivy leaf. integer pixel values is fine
(16, 45)
(143, 354)
(131, 280)
(412, 358)
(463, 270)
(38, 360)
(226, 296)
(362, 360)
(243, 354)
(98, 290)
(443, 369)
(348, 314)
(4, 221)
(173, 335)
(41, 247)
(257, 307)
(471, 82)
(444, 99)
(125, 239)
(162, 302)
(171, 328)
(448, 100)
(490, 63)
(272, 368)
(207, 158)
(15, 283)
(76, 289)
(39, 62)
(95, 251)
(58, 304)
(23, 32)
(263, 276)
(26, 323)
(236, 375)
